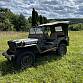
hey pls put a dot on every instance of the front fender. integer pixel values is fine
(32, 47)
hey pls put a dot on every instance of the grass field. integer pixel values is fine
(48, 69)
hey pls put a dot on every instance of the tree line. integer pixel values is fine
(13, 22)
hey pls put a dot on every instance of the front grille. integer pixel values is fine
(11, 44)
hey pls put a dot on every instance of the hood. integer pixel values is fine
(26, 41)
(21, 42)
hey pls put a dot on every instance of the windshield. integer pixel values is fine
(36, 31)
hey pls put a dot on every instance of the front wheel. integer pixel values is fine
(25, 60)
(62, 49)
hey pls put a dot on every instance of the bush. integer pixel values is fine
(76, 27)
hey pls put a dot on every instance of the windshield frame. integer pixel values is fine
(36, 30)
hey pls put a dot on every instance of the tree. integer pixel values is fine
(34, 17)
(22, 22)
(6, 25)
(40, 19)
(11, 21)
(45, 20)
(19, 22)
(14, 21)
(30, 19)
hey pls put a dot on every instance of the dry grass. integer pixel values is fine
(5, 36)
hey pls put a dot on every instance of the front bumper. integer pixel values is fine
(9, 57)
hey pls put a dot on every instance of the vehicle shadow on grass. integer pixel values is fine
(6, 67)
(46, 58)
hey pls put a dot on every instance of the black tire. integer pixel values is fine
(25, 60)
(62, 49)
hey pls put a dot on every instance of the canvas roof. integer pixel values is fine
(55, 23)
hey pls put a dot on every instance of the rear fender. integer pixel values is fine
(64, 42)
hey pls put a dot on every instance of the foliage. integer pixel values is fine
(42, 19)
(5, 15)
(76, 24)
(19, 22)
(34, 17)
(71, 20)
(11, 21)
(37, 19)
(76, 27)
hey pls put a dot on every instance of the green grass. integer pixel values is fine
(48, 69)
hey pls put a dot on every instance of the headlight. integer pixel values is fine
(12, 44)
(21, 44)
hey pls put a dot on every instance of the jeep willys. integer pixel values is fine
(41, 39)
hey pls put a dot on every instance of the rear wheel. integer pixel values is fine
(62, 49)
(25, 60)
